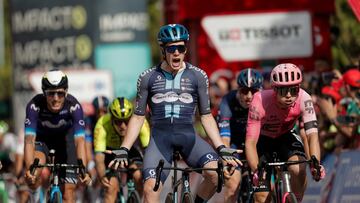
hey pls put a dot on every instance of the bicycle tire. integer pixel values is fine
(289, 197)
(187, 198)
(134, 197)
(169, 198)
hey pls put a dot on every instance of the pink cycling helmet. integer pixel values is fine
(285, 74)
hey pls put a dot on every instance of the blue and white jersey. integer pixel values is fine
(46, 125)
(232, 119)
(173, 98)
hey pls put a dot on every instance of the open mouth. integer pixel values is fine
(176, 62)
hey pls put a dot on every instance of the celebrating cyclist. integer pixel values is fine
(108, 135)
(272, 116)
(173, 90)
(233, 114)
(54, 120)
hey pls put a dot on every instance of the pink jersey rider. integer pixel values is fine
(269, 119)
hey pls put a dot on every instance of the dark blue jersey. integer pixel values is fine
(45, 125)
(173, 98)
(232, 119)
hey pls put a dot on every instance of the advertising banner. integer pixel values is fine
(259, 36)
(122, 21)
(346, 184)
(125, 65)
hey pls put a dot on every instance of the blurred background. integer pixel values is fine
(103, 46)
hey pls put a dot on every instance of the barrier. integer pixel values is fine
(317, 192)
(346, 183)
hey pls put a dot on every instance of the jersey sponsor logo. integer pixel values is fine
(309, 106)
(48, 124)
(203, 73)
(34, 107)
(172, 97)
(63, 112)
(152, 173)
(82, 122)
(74, 108)
(27, 121)
(224, 124)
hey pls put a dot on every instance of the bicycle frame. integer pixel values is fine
(282, 180)
(130, 183)
(185, 177)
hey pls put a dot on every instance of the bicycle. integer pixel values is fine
(132, 194)
(282, 190)
(246, 186)
(55, 195)
(186, 196)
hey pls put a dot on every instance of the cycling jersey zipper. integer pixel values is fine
(172, 103)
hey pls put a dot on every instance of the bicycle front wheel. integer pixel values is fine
(289, 197)
(187, 198)
(134, 197)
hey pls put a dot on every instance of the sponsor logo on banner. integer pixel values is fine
(257, 36)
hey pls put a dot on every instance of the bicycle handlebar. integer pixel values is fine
(312, 161)
(159, 169)
(219, 170)
(79, 166)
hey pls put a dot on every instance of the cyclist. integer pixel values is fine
(100, 105)
(54, 120)
(233, 113)
(272, 116)
(173, 89)
(108, 135)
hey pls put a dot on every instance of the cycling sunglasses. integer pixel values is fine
(171, 49)
(246, 90)
(118, 122)
(53, 93)
(283, 91)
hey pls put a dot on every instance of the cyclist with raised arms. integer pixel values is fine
(173, 90)
(233, 114)
(108, 135)
(272, 116)
(54, 120)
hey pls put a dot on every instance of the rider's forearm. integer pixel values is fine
(251, 154)
(100, 166)
(314, 146)
(80, 149)
(211, 129)
(29, 150)
(133, 130)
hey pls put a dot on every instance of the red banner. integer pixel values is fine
(355, 6)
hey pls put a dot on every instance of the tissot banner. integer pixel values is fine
(258, 36)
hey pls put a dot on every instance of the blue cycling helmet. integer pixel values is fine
(250, 78)
(172, 33)
(100, 102)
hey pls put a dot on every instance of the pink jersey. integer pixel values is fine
(267, 118)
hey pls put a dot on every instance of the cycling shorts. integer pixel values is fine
(165, 139)
(65, 175)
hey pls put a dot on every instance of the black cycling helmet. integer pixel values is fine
(172, 33)
(250, 78)
(54, 79)
(100, 102)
